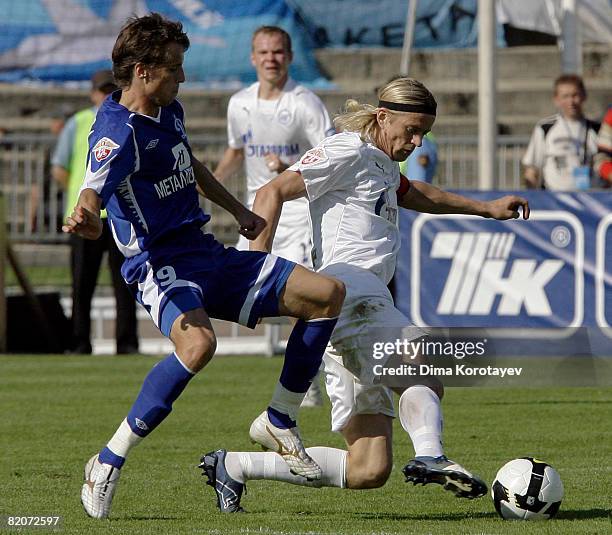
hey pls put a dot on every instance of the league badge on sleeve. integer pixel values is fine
(314, 156)
(103, 148)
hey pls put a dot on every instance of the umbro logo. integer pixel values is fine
(141, 425)
(152, 144)
(379, 166)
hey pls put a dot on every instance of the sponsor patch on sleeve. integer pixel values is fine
(103, 148)
(313, 156)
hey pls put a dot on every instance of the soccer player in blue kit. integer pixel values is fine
(141, 169)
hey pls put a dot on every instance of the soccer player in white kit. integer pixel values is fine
(354, 188)
(270, 124)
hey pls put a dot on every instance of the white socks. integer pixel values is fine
(287, 402)
(243, 466)
(421, 416)
(123, 440)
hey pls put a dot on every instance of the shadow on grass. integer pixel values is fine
(550, 402)
(451, 517)
(143, 517)
(571, 514)
(583, 514)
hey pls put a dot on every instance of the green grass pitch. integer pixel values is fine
(58, 411)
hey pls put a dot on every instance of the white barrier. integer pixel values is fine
(266, 340)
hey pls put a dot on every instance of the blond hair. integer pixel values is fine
(361, 118)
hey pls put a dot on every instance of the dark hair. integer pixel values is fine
(145, 40)
(271, 30)
(572, 79)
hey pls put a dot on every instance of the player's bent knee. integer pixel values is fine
(331, 297)
(337, 293)
(370, 477)
(197, 350)
(327, 301)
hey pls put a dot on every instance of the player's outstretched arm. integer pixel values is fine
(269, 201)
(85, 219)
(249, 224)
(424, 197)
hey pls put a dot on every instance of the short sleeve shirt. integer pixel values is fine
(352, 192)
(558, 146)
(142, 169)
(287, 127)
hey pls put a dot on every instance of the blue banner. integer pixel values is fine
(439, 23)
(62, 40)
(553, 271)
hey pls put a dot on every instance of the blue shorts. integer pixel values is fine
(190, 270)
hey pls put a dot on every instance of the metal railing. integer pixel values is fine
(35, 202)
(458, 162)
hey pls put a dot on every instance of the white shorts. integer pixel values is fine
(350, 397)
(368, 316)
(295, 245)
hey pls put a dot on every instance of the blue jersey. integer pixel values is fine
(142, 169)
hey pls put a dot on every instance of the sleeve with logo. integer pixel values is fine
(331, 165)
(109, 162)
(534, 155)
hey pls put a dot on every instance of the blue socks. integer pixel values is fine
(160, 389)
(280, 420)
(106, 456)
(304, 352)
(303, 357)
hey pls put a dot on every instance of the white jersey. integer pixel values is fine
(559, 145)
(288, 127)
(352, 191)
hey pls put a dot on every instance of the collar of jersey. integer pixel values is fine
(120, 107)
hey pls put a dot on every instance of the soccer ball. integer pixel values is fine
(527, 489)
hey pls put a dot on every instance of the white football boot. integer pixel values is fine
(287, 443)
(100, 484)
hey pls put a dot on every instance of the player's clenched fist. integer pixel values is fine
(83, 222)
(250, 225)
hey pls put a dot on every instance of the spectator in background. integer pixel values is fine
(561, 150)
(51, 207)
(421, 164)
(270, 124)
(603, 158)
(68, 162)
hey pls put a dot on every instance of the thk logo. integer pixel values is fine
(471, 272)
(476, 277)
